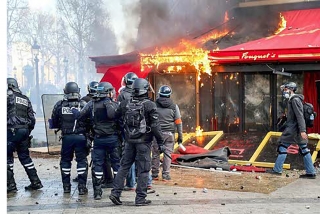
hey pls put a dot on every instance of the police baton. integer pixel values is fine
(75, 121)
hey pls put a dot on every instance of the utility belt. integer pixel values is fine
(70, 132)
(143, 139)
(18, 127)
(104, 135)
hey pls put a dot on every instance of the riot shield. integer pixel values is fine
(53, 136)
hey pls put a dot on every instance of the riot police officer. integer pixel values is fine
(20, 123)
(73, 137)
(170, 120)
(107, 171)
(141, 123)
(102, 110)
(126, 93)
(92, 90)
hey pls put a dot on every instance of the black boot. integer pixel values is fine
(34, 179)
(66, 188)
(97, 192)
(34, 186)
(82, 189)
(11, 184)
(12, 188)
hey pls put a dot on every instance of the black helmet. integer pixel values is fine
(13, 84)
(129, 78)
(291, 85)
(140, 87)
(92, 87)
(165, 91)
(71, 90)
(104, 88)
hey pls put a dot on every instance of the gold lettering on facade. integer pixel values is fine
(246, 55)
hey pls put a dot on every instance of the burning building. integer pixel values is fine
(228, 77)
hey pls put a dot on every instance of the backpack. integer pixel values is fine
(135, 124)
(309, 114)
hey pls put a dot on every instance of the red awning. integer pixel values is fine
(299, 41)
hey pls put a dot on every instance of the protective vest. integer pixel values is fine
(166, 117)
(20, 107)
(102, 124)
(68, 124)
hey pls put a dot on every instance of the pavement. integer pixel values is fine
(301, 196)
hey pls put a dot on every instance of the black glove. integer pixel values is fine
(180, 139)
(161, 148)
(88, 146)
(29, 141)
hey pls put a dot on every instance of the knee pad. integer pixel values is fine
(304, 151)
(278, 149)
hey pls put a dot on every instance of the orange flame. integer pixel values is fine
(199, 131)
(282, 24)
(186, 53)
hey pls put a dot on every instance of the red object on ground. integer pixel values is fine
(190, 149)
(248, 168)
(193, 149)
(299, 41)
(174, 158)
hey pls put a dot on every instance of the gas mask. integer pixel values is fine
(286, 94)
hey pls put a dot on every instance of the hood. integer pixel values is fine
(164, 102)
(300, 96)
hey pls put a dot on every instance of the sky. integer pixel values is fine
(44, 5)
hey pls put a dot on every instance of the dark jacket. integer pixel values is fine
(151, 116)
(87, 98)
(20, 113)
(102, 114)
(295, 121)
(169, 115)
(63, 119)
(125, 94)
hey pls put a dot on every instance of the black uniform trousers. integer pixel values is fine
(140, 153)
(74, 144)
(105, 146)
(17, 140)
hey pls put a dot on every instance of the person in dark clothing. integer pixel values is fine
(20, 123)
(74, 139)
(92, 90)
(107, 171)
(126, 93)
(141, 123)
(102, 111)
(294, 133)
(170, 120)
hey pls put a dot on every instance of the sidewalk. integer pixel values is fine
(301, 196)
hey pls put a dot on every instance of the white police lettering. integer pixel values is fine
(67, 110)
(21, 101)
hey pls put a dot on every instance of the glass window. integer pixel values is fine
(226, 102)
(257, 103)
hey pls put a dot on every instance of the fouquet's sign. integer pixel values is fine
(257, 56)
